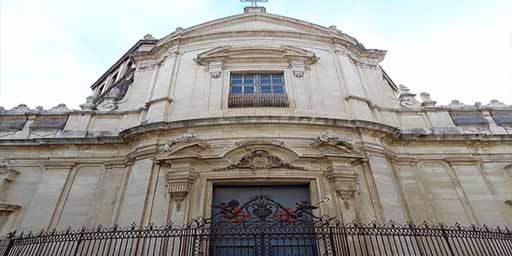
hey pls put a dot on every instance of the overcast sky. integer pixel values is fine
(51, 51)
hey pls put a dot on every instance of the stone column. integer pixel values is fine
(344, 181)
(180, 183)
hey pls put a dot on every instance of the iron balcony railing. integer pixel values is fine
(324, 237)
(241, 100)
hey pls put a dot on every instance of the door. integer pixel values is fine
(262, 220)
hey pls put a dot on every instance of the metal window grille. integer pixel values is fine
(12, 122)
(502, 117)
(468, 118)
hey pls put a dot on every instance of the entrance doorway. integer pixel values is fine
(262, 220)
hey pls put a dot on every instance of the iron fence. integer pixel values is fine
(326, 237)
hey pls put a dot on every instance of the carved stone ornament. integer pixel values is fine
(215, 68)
(260, 159)
(4, 163)
(185, 138)
(179, 182)
(298, 69)
(457, 104)
(509, 203)
(20, 109)
(496, 104)
(61, 108)
(426, 100)
(89, 103)
(407, 99)
(7, 176)
(333, 139)
(108, 104)
(345, 184)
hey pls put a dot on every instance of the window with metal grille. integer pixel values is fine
(257, 90)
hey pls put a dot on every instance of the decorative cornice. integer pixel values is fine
(151, 102)
(297, 59)
(7, 207)
(309, 30)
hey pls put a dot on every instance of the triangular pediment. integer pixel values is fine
(256, 22)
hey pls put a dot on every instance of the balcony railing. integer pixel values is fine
(240, 100)
(326, 237)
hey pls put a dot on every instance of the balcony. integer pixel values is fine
(248, 100)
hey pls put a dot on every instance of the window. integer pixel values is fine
(100, 90)
(114, 78)
(257, 90)
(257, 83)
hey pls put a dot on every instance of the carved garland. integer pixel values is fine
(260, 159)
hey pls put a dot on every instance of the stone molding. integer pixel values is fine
(298, 59)
(179, 182)
(310, 31)
(8, 208)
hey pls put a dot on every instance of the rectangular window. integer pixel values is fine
(257, 90)
(257, 83)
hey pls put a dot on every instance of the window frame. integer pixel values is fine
(257, 84)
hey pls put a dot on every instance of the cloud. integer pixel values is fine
(51, 51)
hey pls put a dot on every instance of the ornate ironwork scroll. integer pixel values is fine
(262, 210)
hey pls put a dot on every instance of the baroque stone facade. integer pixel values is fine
(159, 134)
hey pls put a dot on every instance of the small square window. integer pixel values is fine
(277, 80)
(236, 89)
(266, 89)
(249, 89)
(248, 79)
(278, 89)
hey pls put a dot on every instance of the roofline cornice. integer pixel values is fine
(326, 35)
(392, 134)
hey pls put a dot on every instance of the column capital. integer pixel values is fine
(344, 183)
(179, 182)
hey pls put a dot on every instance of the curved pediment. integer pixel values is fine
(256, 53)
(252, 22)
(263, 24)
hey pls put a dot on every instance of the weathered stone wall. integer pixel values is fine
(133, 180)
(150, 146)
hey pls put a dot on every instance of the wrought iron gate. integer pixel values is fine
(263, 226)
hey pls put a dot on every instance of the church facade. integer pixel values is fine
(247, 104)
